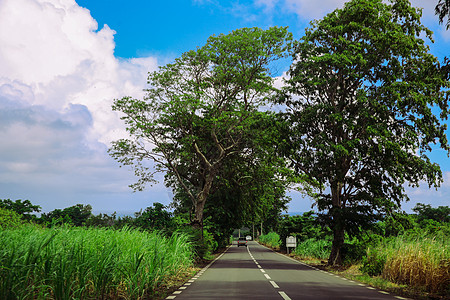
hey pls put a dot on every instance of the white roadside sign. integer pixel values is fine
(291, 242)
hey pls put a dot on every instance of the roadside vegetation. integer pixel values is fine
(89, 263)
(406, 254)
(73, 254)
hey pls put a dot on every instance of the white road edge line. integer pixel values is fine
(196, 276)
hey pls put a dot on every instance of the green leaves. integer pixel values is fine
(199, 112)
(366, 99)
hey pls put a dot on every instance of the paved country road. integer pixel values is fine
(256, 272)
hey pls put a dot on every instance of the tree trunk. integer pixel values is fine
(335, 258)
(197, 221)
(338, 227)
(199, 206)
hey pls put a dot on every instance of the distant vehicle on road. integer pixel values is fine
(242, 241)
(248, 238)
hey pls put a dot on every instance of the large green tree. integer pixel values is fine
(367, 101)
(199, 111)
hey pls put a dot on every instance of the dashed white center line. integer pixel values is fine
(275, 285)
(383, 292)
(285, 297)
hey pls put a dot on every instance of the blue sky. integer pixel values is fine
(62, 62)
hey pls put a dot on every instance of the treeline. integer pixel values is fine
(409, 249)
(155, 217)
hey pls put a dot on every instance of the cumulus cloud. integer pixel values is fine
(58, 79)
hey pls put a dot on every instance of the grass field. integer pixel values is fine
(88, 263)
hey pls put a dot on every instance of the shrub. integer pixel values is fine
(271, 239)
(9, 219)
(202, 244)
(312, 248)
(373, 263)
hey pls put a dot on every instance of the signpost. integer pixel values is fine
(291, 242)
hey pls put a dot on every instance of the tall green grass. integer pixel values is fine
(271, 239)
(420, 261)
(87, 263)
(312, 248)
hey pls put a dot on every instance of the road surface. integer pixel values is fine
(256, 272)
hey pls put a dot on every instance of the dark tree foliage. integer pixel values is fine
(154, 217)
(76, 215)
(22, 207)
(305, 226)
(442, 10)
(426, 212)
(366, 101)
(103, 220)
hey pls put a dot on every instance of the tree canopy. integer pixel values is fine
(366, 101)
(201, 111)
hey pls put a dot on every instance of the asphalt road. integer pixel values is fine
(255, 272)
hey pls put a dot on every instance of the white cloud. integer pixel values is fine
(268, 5)
(58, 79)
(313, 9)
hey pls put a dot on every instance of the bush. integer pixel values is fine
(9, 219)
(312, 248)
(271, 239)
(373, 263)
(202, 246)
(355, 250)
